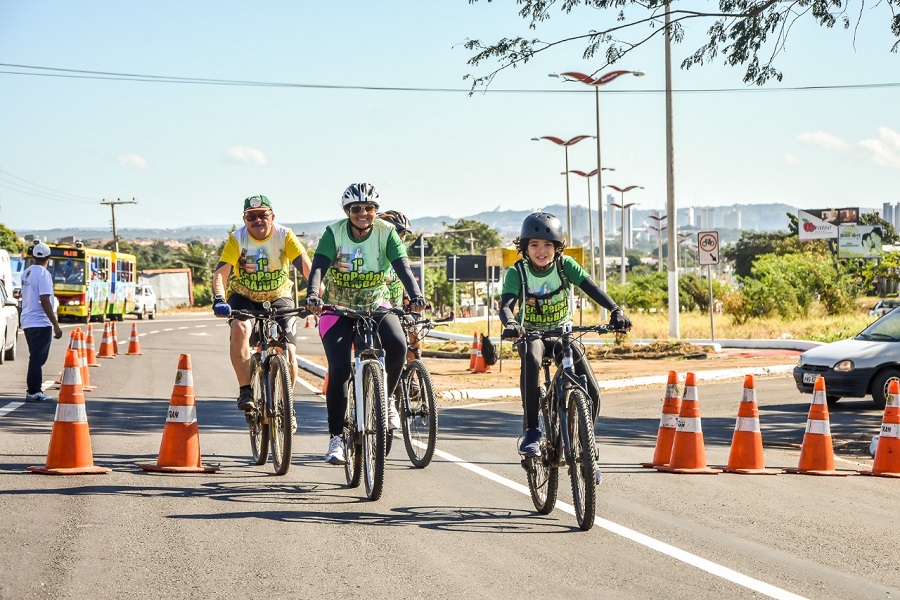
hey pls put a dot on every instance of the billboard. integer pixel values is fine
(823, 224)
(470, 267)
(859, 241)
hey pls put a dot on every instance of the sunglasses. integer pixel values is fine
(250, 217)
(358, 208)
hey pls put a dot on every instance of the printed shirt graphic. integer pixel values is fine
(261, 266)
(395, 288)
(544, 313)
(36, 282)
(356, 279)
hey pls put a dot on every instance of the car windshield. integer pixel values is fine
(885, 328)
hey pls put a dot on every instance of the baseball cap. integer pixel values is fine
(40, 250)
(256, 203)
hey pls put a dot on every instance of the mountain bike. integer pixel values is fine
(365, 428)
(271, 421)
(567, 425)
(415, 396)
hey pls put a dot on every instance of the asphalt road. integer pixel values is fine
(462, 528)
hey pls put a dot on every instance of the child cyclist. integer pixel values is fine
(540, 282)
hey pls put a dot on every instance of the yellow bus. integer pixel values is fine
(92, 284)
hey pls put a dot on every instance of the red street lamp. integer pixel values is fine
(565, 144)
(587, 177)
(596, 83)
(624, 206)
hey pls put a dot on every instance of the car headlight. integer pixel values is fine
(845, 366)
(800, 361)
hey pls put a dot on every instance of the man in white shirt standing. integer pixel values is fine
(38, 320)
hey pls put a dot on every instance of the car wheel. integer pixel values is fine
(140, 315)
(11, 353)
(832, 400)
(2, 353)
(152, 314)
(880, 384)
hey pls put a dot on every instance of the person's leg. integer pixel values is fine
(338, 342)
(583, 367)
(38, 340)
(240, 350)
(393, 340)
(531, 353)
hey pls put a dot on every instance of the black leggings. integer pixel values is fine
(532, 353)
(338, 342)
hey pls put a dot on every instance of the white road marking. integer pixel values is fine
(309, 386)
(201, 334)
(645, 540)
(9, 408)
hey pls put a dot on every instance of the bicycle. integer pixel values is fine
(415, 394)
(564, 400)
(271, 421)
(365, 428)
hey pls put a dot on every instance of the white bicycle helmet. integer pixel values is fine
(360, 193)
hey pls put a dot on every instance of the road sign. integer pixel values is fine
(416, 247)
(708, 243)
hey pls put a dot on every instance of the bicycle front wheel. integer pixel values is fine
(352, 440)
(373, 445)
(259, 431)
(543, 474)
(582, 465)
(418, 414)
(282, 407)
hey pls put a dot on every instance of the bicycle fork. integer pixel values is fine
(358, 389)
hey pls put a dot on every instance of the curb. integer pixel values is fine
(308, 365)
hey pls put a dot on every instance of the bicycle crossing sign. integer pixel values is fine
(708, 245)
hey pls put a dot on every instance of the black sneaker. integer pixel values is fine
(245, 401)
(531, 443)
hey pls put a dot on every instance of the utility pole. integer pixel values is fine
(112, 206)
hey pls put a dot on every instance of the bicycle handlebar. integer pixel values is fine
(300, 311)
(559, 331)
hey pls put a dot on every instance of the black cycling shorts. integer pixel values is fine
(288, 323)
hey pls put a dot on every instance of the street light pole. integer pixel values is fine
(565, 144)
(596, 83)
(623, 206)
(587, 177)
(659, 229)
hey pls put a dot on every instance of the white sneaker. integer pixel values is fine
(393, 417)
(39, 397)
(335, 454)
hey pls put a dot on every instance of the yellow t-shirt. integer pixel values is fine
(262, 266)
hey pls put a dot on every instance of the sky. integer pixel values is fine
(189, 154)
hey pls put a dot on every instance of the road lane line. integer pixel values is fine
(645, 540)
(9, 408)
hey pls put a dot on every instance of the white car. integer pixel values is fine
(9, 326)
(883, 307)
(144, 302)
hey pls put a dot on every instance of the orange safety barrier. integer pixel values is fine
(688, 450)
(70, 441)
(667, 422)
(746, 456)
(179, 451)
(817, 452)
(887, 452)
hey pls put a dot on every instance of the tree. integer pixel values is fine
(740, 30)
(9, 241)
(465, 237)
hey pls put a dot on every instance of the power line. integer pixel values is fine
(143, 78)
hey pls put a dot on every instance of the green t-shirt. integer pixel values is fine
(545, 313)
(358, 267)
(395, 288)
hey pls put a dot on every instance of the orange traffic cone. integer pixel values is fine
(746, 456)
(82, 359)
(688, 451)
(473, 352)
(70, 441)
(179, 451)
(666, 433)
(134, 343)
(113, 338)
(887, 453)
(58, 382)
(106, 347)
(817, 452)
(480, 365)
(89, 348)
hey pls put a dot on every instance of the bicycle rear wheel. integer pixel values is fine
(280, 419)
(373, 445)
(582, 466)
(352, 439)
(418, 416)
(259, 431)
(543, 474)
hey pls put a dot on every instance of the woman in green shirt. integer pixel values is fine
(540, 282)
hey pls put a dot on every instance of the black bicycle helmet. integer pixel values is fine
(541, 226)
(397, 219)
(360, 193)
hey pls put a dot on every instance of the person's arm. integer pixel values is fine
(296, 253)
(47, 305)
(303, 264)
(320, 264)
(220, 279)
(507, 308)
(593, 291)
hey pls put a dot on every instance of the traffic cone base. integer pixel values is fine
(667, 422)
(887, 452)
(817, 452)
(179, 451)
(688, 450)
(70, 452)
